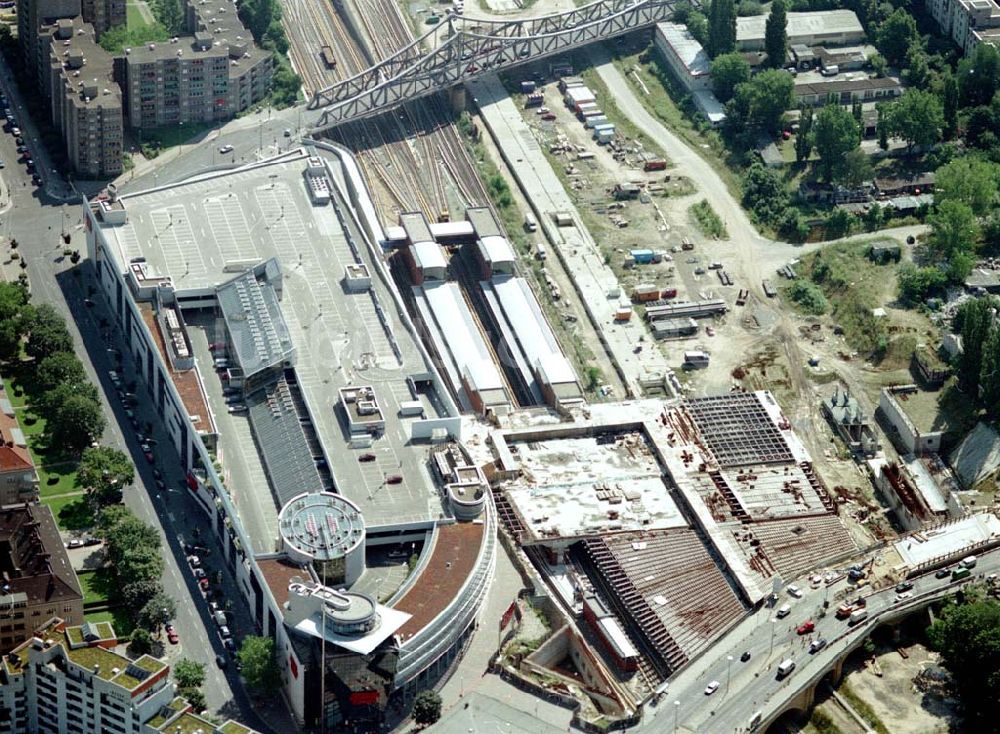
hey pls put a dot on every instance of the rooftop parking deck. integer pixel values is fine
(204, 232)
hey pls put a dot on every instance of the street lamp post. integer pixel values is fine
(729, 670)
(677, 707)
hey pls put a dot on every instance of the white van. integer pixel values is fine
(755, 720)
(784, 610)
(785, 667)
(968, 562)
(857, 617)
(530, 223)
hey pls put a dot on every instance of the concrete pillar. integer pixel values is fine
(837, 671)
(457, 97)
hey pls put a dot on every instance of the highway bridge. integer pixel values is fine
(749, 686)
(459, 49)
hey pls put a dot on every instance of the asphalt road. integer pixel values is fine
(37, 221)
(746, 687)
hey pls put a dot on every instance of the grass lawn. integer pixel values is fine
(133, 16)
(15, 392)
(71, 513)
(118, 619)
(168, 137)
(96, 585)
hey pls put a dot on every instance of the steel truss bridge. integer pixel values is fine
(460, 49)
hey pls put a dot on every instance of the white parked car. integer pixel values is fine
(711, 688)
(795, 591)
(226, 149)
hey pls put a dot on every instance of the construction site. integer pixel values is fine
(675, 518)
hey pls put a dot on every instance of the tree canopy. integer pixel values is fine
(776, 35)
(968, 638)
(427, 707)
(13, 304)
(59, 368)
(47, 332)
(188, 673)
(721, 28)
(834, 133)
(104, 472)
(895, 36)
(917, 117)
(979, 75)
(76, 423)
(257, 658)
(973, 320)
(969, 180)
(728, 71)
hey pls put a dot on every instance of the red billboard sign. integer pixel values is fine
(364, 698)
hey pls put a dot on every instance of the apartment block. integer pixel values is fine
(72, 680)
(18, 479)
(183, 81)
(84, 100)
(103, 14)
(967, 22)
(38, 582)
(32, 15)
(250, 67)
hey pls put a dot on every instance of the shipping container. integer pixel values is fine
(645, 292)
(534, 100)
(657, 165)
(642, 257)
(527, 87)
(591, 113)
(696, 359)
(570, 81)
(604, 137)
(623, 314)
(669, 293)
(595, 120)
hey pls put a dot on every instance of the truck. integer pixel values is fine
(527, 86)
(655, 165)
(687, 244)
(604, 137)
(857, 617)
(695, 359)
(785, 668)
(755, 720)
(530, 223)
(540, 252)
(669, 293)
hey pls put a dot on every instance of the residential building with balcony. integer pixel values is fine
(967, 22)
(37, 580)
(84, 101)
(32, 15)
(103, 14)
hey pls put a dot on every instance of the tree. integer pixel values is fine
(59, 368)
(953, 229)
(968, 638)
(759, 104)
(728, 70)
(803, 140)
(917, 117)
(76, 423)
(949, 105)
(721, 28)
(697, 23)
(839, 223)
(188, 673)
(916, 284)
(426, 707)
(776, 35)
(835, 133)
(989, 373)
(895, 36)
(969, 180)
(47, 332)
(140, 642)
(136, 594)
(979, 76)
(918, 70)
(157, 612)
(104, 471)
(764, 193)
(973, 319)
(856, 170)
(111, 517)
(194, 697)
(170, 14)
(13, 303)
(260, 667)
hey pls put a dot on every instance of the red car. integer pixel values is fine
(393, 479)
(203, 583)
(172, 634)
(149, 457)
(806, 627)
(366, 457)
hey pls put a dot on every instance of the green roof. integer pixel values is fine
(234, 727)
(189, 724)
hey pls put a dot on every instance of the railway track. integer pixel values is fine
(413, 159)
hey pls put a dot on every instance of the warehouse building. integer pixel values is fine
(818, 28)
